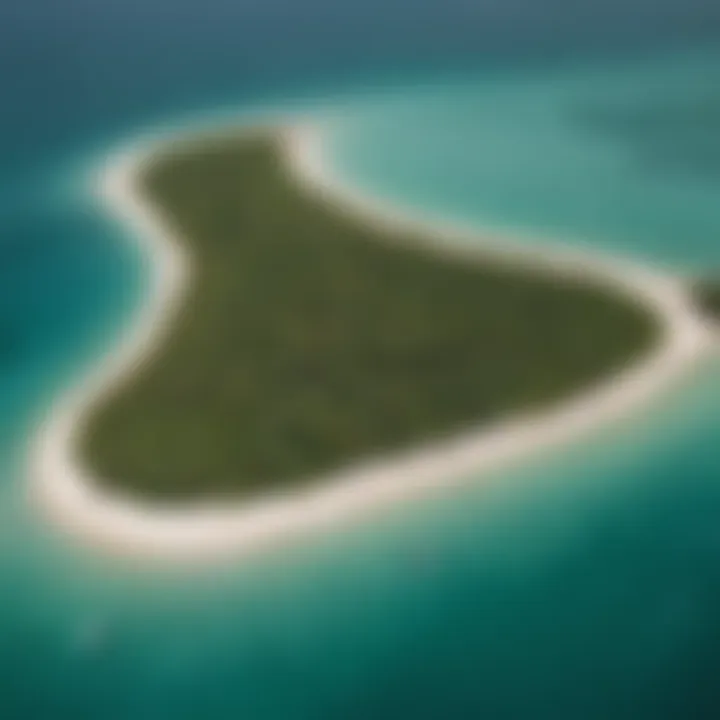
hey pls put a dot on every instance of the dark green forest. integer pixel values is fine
(707, 296)
(308, 339)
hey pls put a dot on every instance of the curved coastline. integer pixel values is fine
(65, 491)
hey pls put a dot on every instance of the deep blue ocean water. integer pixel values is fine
(583, 586)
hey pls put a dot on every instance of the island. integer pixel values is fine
(308, 340)
(707, 297)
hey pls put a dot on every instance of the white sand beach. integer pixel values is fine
(67, 494)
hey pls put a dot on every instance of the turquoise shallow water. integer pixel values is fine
(623, 156)
(584, 585)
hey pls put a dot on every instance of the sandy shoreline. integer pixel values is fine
(66, 493)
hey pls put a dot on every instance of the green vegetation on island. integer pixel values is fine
(308, 340)
(707, 297)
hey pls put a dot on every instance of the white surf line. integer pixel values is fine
(71, 498)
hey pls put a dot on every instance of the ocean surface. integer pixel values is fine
(584, 585)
